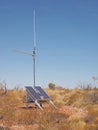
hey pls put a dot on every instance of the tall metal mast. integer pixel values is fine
(34, 52)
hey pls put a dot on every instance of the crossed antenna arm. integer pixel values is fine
(22, 52)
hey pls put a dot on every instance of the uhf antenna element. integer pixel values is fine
(34, 51)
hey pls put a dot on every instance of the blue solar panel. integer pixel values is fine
(42, 92)
(32, 94)
(28, 98)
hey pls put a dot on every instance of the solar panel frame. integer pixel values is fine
(37, 96)
(42, 92)
(28, 98)
(32, 97)
(31, 92)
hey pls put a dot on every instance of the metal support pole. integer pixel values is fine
(34, 67)
(34, 51)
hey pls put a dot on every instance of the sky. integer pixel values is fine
(66, 42)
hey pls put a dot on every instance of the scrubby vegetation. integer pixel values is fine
(51, 86)
(76, 110)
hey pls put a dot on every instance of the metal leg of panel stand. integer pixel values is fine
(52, 104)
(39, 105)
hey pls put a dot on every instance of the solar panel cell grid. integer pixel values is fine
(42, 92)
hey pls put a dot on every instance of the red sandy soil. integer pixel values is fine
(69, 110)
(65, 110)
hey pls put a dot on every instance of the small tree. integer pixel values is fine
(51, 86)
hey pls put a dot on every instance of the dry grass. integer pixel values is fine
(76, 110)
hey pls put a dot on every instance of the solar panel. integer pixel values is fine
(28, 98)
(35, 96)
(32, 96)
(32, 93)
(45, 96)
(42, 92)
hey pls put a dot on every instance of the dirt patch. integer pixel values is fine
(69, 110)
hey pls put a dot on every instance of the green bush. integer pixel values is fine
(51, 86)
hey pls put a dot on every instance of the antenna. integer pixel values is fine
(34, 51)
(34, 32)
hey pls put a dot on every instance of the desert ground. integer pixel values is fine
(77, 109)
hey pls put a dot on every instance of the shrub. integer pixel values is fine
(76, 123)
(51, 86)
